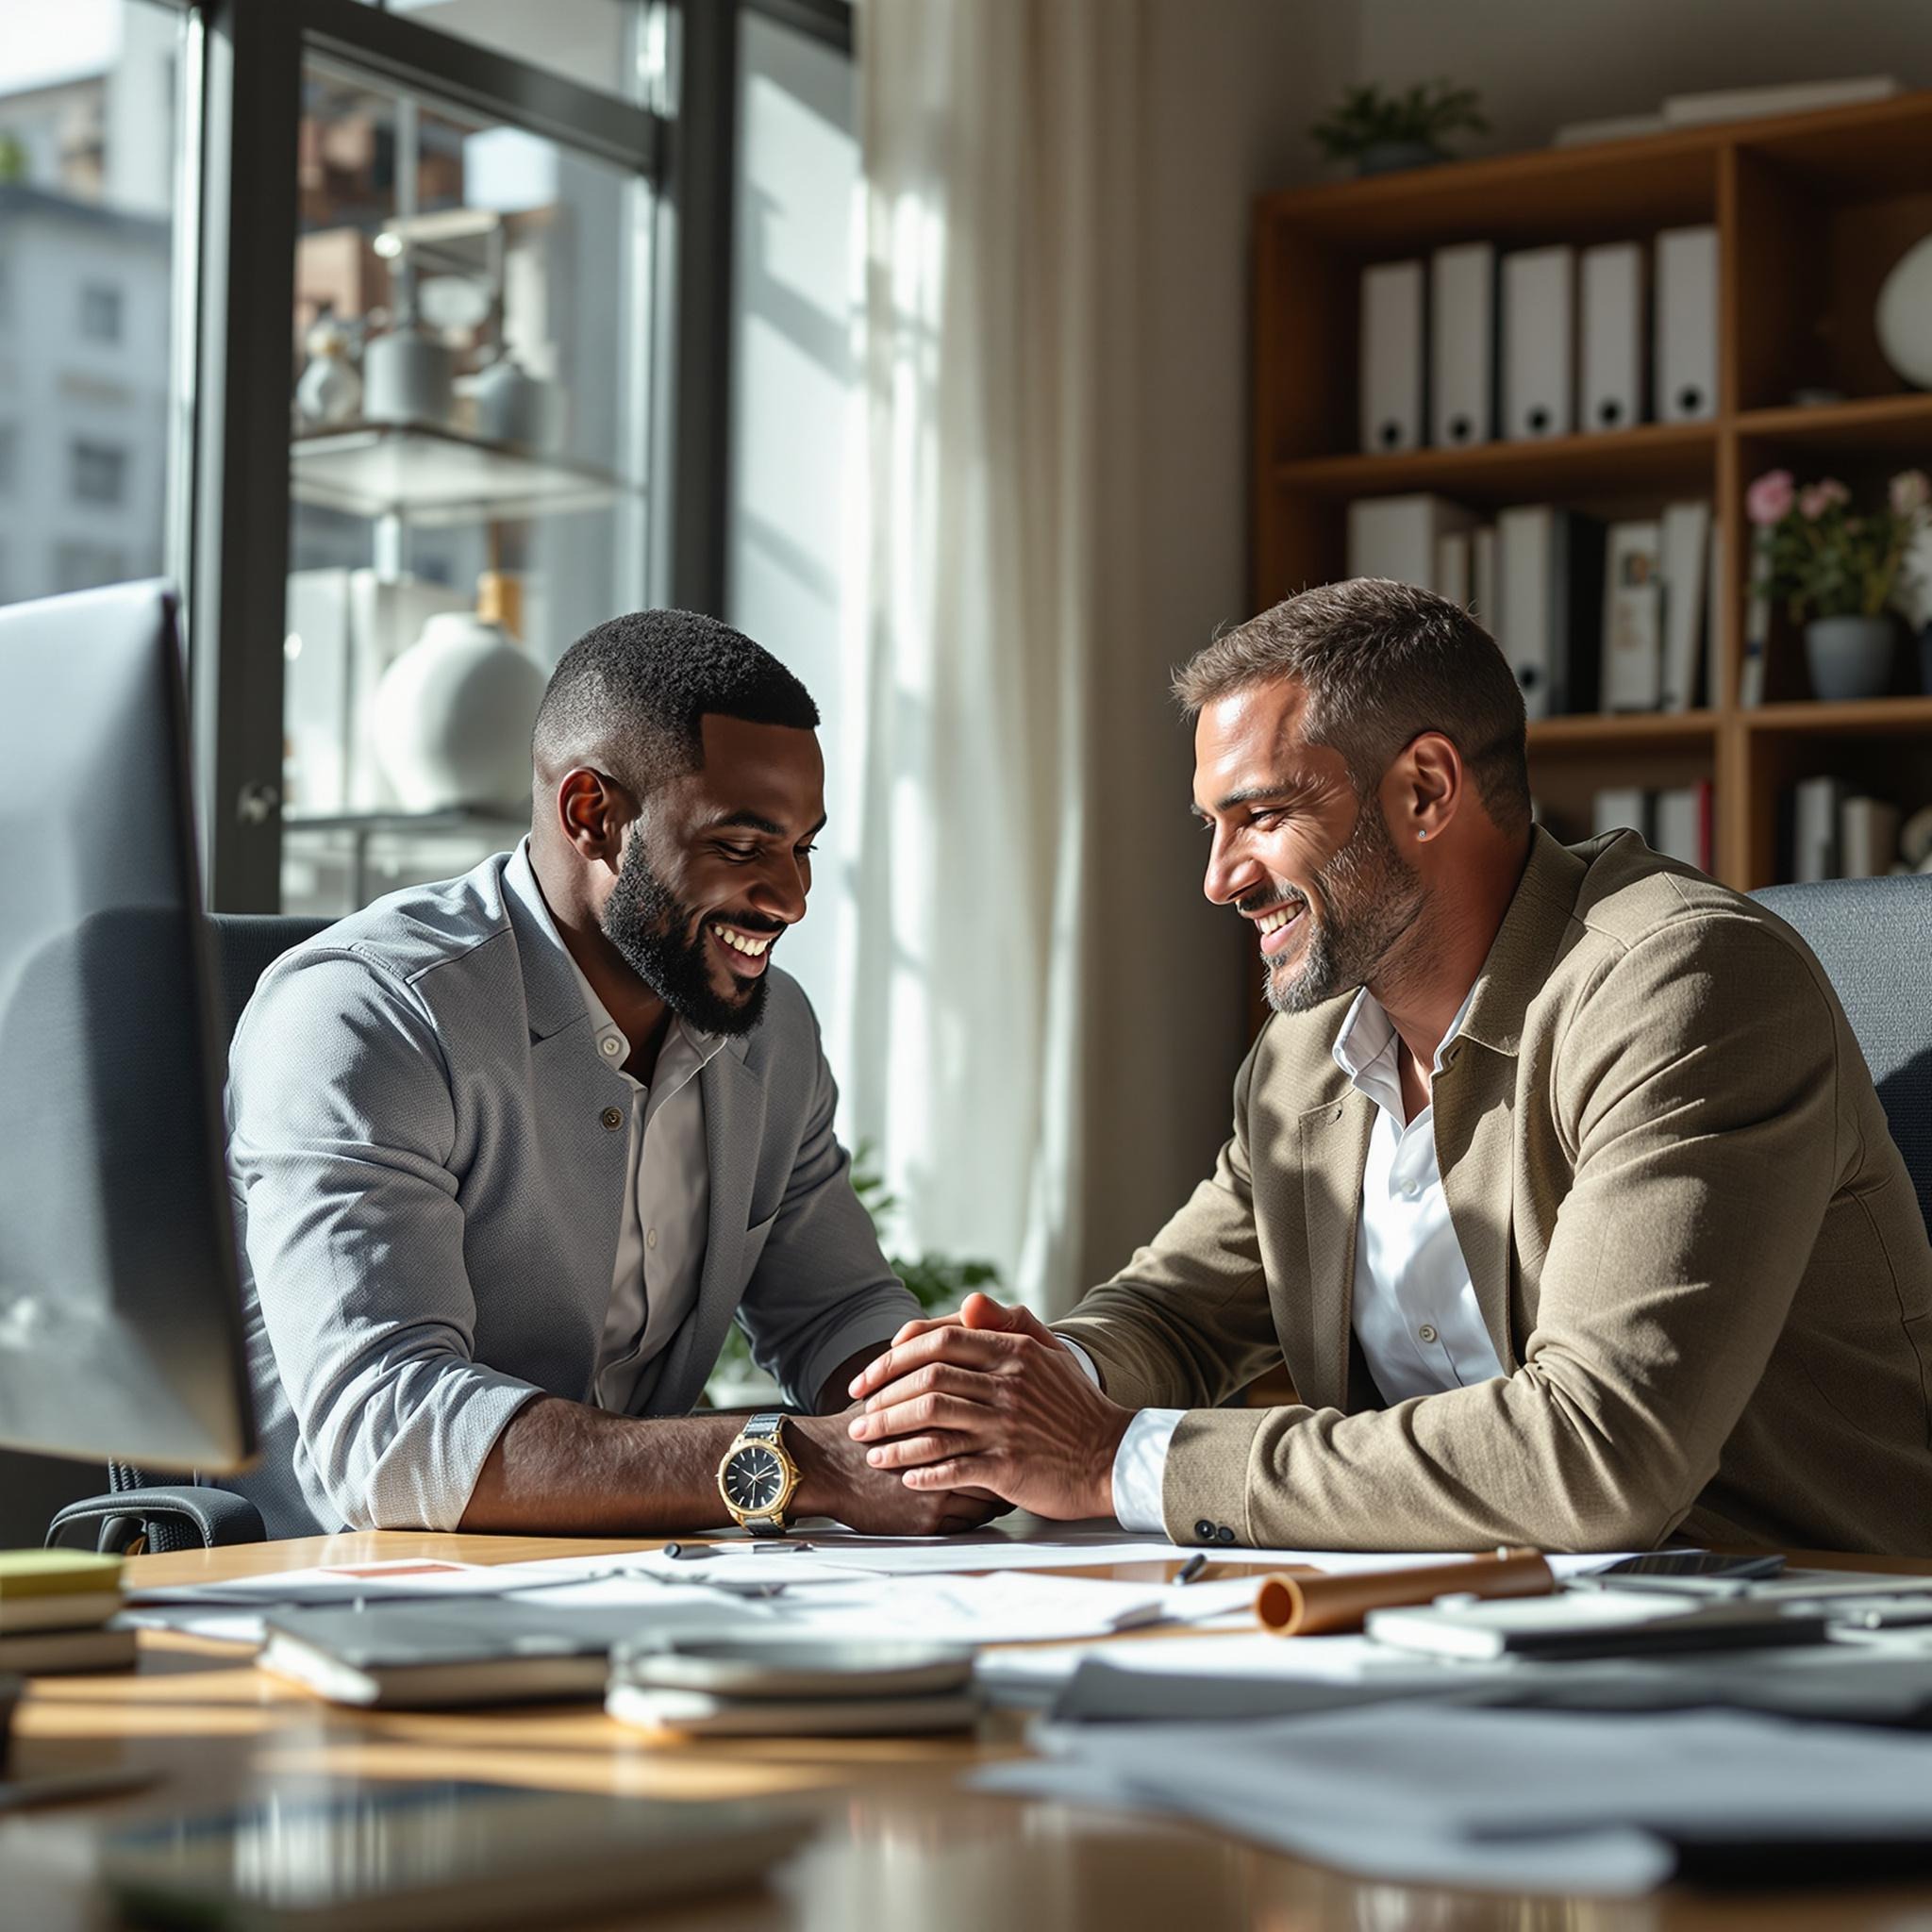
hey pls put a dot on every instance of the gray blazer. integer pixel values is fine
(428, 1165)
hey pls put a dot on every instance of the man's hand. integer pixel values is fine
(992, 1400)
(835, 1479)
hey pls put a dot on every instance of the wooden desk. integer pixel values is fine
(903, 1849)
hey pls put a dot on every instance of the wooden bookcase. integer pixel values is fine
(1812, 210)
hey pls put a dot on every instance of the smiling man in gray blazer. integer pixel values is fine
(511, 1151)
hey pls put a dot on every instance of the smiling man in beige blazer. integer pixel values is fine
(1557, 1176)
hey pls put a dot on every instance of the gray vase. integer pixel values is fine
(1850, 656)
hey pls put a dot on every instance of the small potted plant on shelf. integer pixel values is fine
(938, 1283)
(1839, 569)
(1379, 132)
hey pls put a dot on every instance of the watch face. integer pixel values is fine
(754, 1480)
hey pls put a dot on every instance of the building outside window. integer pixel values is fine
(97, 473)
(100, 313)
(90, 133)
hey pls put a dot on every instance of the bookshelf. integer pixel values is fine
(1811, 212)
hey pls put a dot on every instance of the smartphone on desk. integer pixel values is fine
(416, 1857)
(1684, 1573)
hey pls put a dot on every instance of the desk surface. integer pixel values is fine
(903, 1850)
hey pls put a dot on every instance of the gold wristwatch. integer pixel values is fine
(758, 1478)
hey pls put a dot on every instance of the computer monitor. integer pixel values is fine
(121, 1334)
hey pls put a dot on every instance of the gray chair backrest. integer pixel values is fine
(246, 944)
(1873, 938)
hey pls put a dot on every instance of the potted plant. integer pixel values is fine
(1378, 132)
(1838, 568)
(938, 1283)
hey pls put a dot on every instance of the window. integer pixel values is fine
(473, 302)
(100, 313)
(98, 472)
(82, 566)
(91, 126)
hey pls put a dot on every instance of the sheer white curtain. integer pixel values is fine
(997, 396)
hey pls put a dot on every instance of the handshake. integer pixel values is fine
(983, 1408)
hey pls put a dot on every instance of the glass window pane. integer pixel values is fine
(591, 41)
(90, 126)
(473, 324)
(794, 291)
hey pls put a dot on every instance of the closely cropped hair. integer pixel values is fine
(630, 696)
(1382, 663)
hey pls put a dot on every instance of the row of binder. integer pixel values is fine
(1472, 344)
(1837, 833)
(1590, 616)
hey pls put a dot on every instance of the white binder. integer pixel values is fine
(1687, 602)
(1482, 576)
(1549, 619)
(1398, 537)
(1452, 567)
(1462, 345)
(1393, 356)
(1620, 808)
(1539, 343)
(1685, 324)
(1613, 333)
(1633, 617)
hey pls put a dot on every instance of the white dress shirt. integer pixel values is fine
(1414, 1307)
(667, 1193)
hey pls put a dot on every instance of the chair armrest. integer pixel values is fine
(216, 1516)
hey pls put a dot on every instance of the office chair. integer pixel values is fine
(194, 1517)
(1873, 938)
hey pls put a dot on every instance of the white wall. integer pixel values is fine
(1223, 120)
(1542, 62)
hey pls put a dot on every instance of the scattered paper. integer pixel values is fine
(1516, 1801)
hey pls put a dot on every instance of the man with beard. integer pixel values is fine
(510, 1153)
(1557, 1177)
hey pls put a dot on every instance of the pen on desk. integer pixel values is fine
(686, 1552)
(1191, 1568)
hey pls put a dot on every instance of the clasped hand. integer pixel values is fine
(991, 1400)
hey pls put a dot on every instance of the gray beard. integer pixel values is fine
(1370, 898)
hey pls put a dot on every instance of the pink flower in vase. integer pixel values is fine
(1769, 499)
(1816, 498)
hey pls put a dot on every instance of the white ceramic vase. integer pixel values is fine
(452, 717)
(1904, 317)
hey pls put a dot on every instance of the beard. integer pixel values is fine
(662, 940)
(1369, 897)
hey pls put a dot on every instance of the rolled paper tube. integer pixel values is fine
(1319, 1605)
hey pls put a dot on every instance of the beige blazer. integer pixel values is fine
(1695, 1247)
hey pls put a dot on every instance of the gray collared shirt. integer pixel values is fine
(667, 1185)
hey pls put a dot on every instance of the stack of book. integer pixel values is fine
(56, 1613)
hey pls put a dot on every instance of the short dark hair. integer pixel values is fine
(630, 697)
(1382, 663)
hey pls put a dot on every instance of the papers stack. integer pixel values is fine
(56, 1607)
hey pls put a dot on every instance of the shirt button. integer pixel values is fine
(1204, 1531)
(651, 1239)
(1425, 1333)
(610, 1046)
(613, 1119)
(1223, 1535)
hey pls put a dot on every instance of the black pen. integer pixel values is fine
(1191, 1568)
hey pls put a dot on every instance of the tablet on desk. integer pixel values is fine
(416, 1857)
